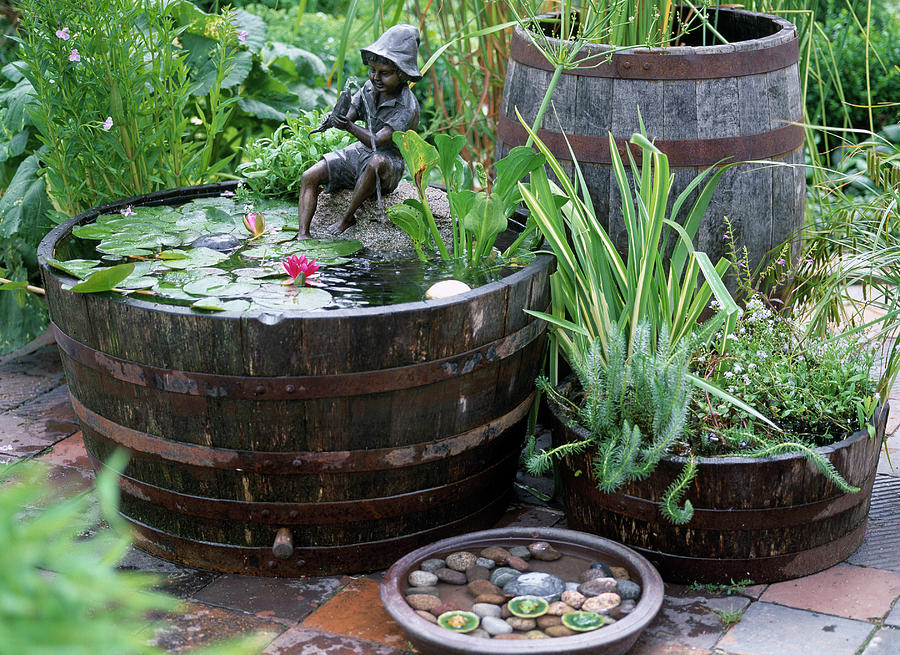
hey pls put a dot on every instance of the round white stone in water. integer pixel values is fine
(446, 288)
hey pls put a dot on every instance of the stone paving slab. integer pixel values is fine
(651, 646)
(853, 592)
(54, 404)
(530, 517)
(179, 581)
(24, 378)
(196, 625)
(691, 619)
(302, 641)
(23, 436)
(283, 599)
(885, 642)
(769, 629)
(893, 617)
(356, 611)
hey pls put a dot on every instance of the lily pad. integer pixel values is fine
(295, 299)
(79, 268)
(196, 258)
(219, 286)
(218, 305)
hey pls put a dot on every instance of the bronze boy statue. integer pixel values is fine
(385, 104)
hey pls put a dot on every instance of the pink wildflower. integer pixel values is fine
(725, 237)
(242, 36)
(107, 124)
(299, 268)
(128, 211)
(781, 262)
(63, 34)
(74, 56)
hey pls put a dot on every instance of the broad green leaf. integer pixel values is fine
(79, 268)
(448, 148)
(24, 204)
(255, 28)
(511, 170)
(485, 221)
(13, 286)
(103, 280)
(417, 153)
(408, 218)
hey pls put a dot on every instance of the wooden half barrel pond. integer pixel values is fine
(760, 519)
(701, 104)
(306, 443)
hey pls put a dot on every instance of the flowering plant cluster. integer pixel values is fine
(817, 390)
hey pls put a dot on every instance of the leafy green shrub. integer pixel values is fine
(275, 164)
(59, 591)
(818, 390)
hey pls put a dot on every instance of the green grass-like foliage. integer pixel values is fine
(59, 592)
(633, 408)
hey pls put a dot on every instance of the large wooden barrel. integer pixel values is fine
(762, 519)
(700, 104)
(359, 433)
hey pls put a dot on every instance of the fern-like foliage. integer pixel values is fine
(674, 494)
(634, 408)
(822, 464)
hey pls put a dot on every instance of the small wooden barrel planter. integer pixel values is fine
(700, 104)
(763, 519)
(304, 444)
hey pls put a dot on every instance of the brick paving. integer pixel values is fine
(848, 609)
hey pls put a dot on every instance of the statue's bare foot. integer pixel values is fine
(303, 236)
(340, 226)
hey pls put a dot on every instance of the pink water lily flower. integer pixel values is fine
(299, 268)
(255, 223)
(128, 211)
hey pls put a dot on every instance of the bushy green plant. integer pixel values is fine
(633, 408)
(274, 165)
(60, 592)
(477, 217)
(816, 389)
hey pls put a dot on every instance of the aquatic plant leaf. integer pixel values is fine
(219, 286)
(485, 220)
(510, 170)
(94, 231)
(295, 299)
(418, 153)
(104, 280)
(408, 218)
(197, 258)
(79, 268)
(219, 305)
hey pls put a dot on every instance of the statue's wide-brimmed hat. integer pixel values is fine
(399, 45)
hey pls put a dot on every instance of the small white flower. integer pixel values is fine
(728, 374)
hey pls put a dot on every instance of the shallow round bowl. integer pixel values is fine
(615, 639)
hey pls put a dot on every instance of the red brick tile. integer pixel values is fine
(69, 452)
(854, 592)
(356, 611)
(300, 641)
